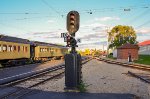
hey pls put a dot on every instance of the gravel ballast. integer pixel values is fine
(101, 77)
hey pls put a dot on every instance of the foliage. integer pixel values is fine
(143, 59)
(120, 35)
(82, 87)
(87, 51)
(111, 57)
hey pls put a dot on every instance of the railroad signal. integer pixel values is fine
(79, 40)
(72, 22)
(68, 41)
(63, 35)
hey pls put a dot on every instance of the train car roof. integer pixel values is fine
(26, 41)
(13, 39)
(47, 44)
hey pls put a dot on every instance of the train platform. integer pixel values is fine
(14, 73)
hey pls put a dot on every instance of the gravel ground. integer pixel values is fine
(108, 78)
(56, 85)
(101, 77)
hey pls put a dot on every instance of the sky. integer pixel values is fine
(45, 20)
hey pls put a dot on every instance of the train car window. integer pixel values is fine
(14, 48)
(47, 49)
(9, 48)
(18, 48)
(26, 49)
(4, 48)
(42, 49)
(0, 48)
(23, 48)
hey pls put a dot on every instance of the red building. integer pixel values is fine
(125, 50)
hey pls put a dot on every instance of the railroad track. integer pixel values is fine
(137, 66)
(23, 85)
(142, 76)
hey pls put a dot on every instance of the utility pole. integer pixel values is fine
(107, 31)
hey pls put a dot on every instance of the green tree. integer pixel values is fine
(120, 35)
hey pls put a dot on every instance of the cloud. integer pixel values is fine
(143, 30)
(94, 36)
(93, 25)
(50, 21)
(107, 19)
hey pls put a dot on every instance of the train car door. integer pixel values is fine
(32, 52)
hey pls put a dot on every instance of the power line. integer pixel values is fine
(48, 5)
(140, 26)
(127, 8)
(141, 15)
(33, 18)
(17, 13)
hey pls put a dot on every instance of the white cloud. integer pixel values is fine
(143, 30)
(107, 18)
(50, 21)
(93, 25)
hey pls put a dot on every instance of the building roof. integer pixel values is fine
(144, 43)
(128, 46)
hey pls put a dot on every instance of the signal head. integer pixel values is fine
(72, 22)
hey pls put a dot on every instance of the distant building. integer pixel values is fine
(115, 53)
(125, 50)
(144, 48)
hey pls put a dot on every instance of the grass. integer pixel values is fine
(143, 59)
(111, 57)
(82, 87)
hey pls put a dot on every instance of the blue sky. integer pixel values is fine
(45, 20)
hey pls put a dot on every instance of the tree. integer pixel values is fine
(120, 35)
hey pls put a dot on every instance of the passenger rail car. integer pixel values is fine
(17, 51)
(12, 49)
(46, 51)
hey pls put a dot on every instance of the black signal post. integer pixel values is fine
(73, 59)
